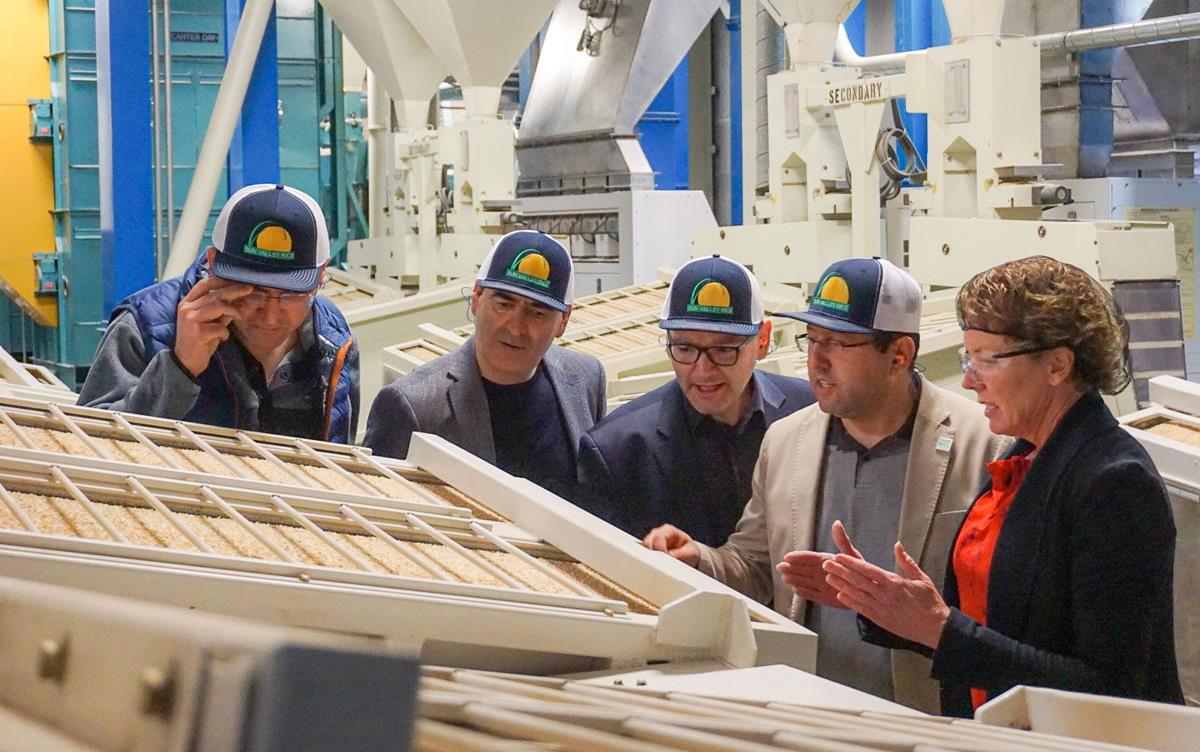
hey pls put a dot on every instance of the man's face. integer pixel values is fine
(267, 317)
(848, 377)
(512, 334)
(719, 391)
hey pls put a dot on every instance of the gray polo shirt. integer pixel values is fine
(862, 488)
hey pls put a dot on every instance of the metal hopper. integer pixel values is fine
(479, 41)
(398, 56)
(577, 132)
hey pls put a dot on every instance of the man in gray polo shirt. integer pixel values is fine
(885, 453)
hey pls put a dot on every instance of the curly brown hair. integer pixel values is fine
(1048, 304)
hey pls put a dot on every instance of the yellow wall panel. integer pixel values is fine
(27, 177)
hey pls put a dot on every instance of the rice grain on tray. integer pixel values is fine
(1177, 431)
(144, 526)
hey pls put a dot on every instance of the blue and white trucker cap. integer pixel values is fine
(864, 296)
(271, 236)
(531, 264)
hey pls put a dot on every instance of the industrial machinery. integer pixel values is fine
(756, 710)
(1155, 326)
(85, 672)
(980, 200)
(1169, 430)
(438, 193)
(582, 173)
(444, 558)
(82, 672)
(579, 172)
(445, 555)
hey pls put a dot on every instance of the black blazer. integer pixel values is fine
(637, 470)
(1080, 588)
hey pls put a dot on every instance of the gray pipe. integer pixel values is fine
(722, 129)
(1121, 35)
(170, 121)
(157, 125)
(770, 59)
(1131, 34)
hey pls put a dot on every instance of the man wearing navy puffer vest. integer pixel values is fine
(241, 339)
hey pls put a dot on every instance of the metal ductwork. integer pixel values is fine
(1158, 133)
(1148, 31)
(599, 70)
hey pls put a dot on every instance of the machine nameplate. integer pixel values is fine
(872, 90)
(843, 93)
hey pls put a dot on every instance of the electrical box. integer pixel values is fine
(45, 269)
(41, 120)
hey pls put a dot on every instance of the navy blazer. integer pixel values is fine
(1080, 588)
(637, 469)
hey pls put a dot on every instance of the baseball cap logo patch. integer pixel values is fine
(269, 240)
(530, 267)
(710, 297)
(834, 293)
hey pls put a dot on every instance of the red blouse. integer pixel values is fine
(976, 543)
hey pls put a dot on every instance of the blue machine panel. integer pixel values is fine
(663, 132)
(254, 150)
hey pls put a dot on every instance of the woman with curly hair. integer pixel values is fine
(1061, 573)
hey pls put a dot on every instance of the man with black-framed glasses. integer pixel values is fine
(684, 453)
(241, 339)
(884, 453)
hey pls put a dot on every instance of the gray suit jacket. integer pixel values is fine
(445, 397)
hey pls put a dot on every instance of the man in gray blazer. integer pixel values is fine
(507, 395)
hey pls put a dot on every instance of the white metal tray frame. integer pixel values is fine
(81, 671)
(30, 380)
(472, 710)
(651, 574)
(450, 621)
(1178, 463)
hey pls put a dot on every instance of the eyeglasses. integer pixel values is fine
(832, 347)
(293, 300)
(981, 368)
(718, 355)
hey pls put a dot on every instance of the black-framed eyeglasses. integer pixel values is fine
(718, 355)
(981, 368)
(833, 347)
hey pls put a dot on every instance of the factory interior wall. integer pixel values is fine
(27, 192)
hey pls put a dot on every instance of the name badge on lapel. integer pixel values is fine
(944, 443)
